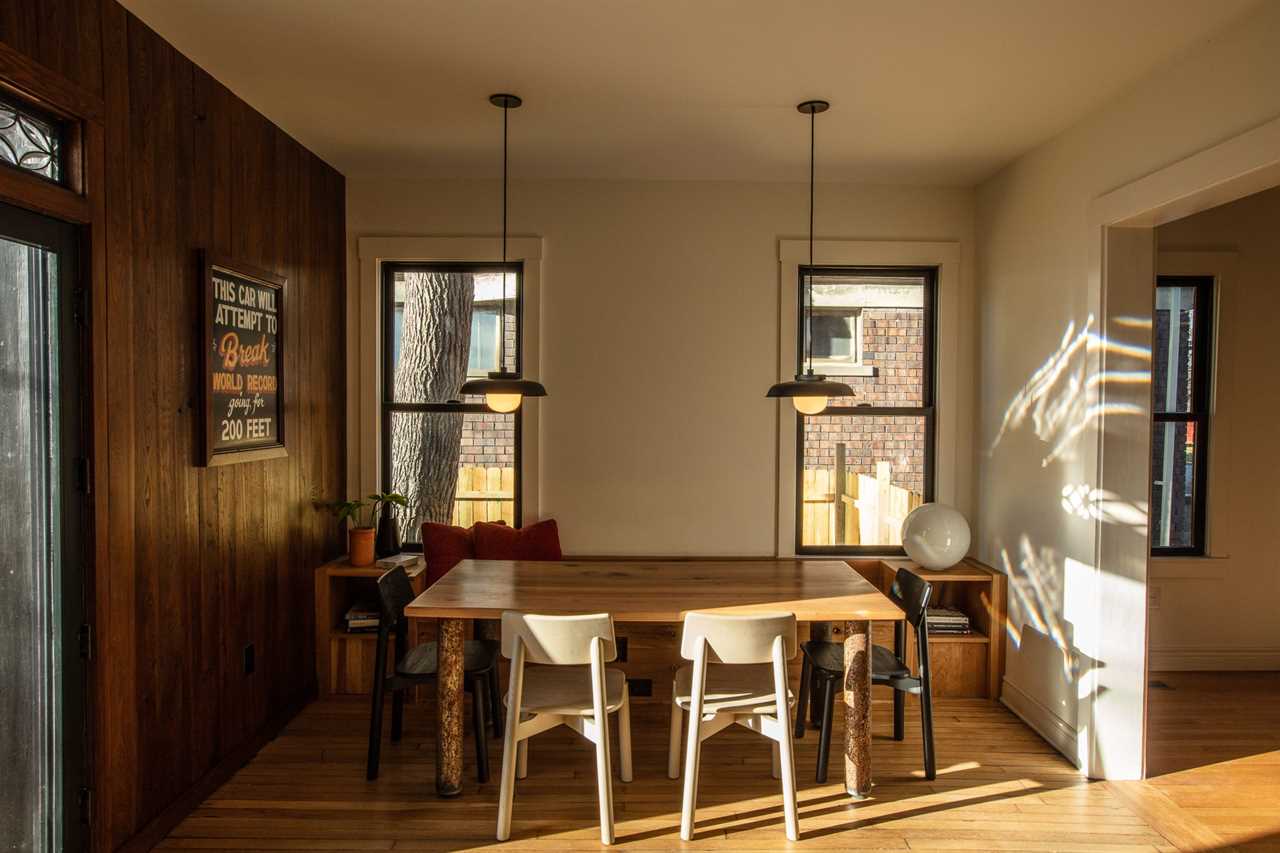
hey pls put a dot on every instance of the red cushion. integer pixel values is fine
(539, 541)
(444, 546)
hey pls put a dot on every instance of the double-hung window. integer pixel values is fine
(1180, 414)
(456, 461)
(866, 461)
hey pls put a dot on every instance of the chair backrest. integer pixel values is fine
(560, 640)
(911, 592)
(736, 638)
(395, 592)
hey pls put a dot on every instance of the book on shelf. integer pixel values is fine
(361, 617)
(413, 564)
(947, 620)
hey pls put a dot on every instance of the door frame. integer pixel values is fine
(1122, 265)
(81, 201)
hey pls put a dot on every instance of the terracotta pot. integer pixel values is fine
(360, 546)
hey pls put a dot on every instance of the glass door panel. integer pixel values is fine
(41, 543)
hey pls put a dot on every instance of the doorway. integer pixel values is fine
(44, 545)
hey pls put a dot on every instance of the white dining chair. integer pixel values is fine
(738, 675)
(572, 688)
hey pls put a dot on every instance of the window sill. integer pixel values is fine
(841, 368)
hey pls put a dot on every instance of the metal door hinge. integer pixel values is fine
(86, 805)
(86, 641)
(84, 475)
(81, 309)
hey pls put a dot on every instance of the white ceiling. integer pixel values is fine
(923, 91)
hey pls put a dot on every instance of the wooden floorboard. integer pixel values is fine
(1213, 759)
(999, 788)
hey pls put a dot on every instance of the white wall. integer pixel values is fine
(659, 332)
(1219, 612)
(1037, 448)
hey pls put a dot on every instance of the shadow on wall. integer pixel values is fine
(1053, 584)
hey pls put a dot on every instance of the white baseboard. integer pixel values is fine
(1183, 660)
(1040, 717)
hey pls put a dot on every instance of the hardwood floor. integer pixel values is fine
(999, 787)
(1213, 754)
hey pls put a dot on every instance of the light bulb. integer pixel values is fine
(510, 402)
(809, 405)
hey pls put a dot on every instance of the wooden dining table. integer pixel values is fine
(824, 591)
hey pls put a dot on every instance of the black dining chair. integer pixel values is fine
(417, 665)
(822, 672)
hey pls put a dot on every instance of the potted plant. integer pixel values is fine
(362, 515)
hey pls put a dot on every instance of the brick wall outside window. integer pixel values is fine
(489, 439)
(893, 342)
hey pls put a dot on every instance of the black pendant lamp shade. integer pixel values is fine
(502, 389)
(810, 391)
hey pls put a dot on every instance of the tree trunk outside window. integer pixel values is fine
(434, 345)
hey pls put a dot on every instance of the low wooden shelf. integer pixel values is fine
(962, 665)
(345, 659)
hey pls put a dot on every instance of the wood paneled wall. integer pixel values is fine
(194, 564)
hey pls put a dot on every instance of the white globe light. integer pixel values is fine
(809, 405)
(935, 535)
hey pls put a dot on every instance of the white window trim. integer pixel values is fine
(364, 349)
(949, 295)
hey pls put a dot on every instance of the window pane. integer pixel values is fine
(882, 459)
(29, 566)
(446, 330)
(869, 331)
(454, 467)
(1173, 471)
(1174, 355)
(29, 142)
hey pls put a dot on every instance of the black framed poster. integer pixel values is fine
(243, 374)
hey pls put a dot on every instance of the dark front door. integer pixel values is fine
(43, 538)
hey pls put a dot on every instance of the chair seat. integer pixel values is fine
(738, 688)
(829, 657)
(478, 657)
(567, 690)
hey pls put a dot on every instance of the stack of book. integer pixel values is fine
(361, 618)
(947, 620)
(413, 564)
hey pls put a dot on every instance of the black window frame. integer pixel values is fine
(391, 406)
(1198, 412)
(927, 408)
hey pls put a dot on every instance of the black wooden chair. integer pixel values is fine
(822, 672)
(417, 665)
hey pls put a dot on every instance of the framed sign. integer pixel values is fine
(243, 362)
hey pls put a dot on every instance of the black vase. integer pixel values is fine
(388, 541)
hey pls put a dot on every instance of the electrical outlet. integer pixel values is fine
(621, 644)
(640, 686)
(1154, 595)
(249, 662)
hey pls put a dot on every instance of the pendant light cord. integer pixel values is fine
(809, 277)
(502, 326)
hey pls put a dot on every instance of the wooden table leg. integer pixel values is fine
(449, 708)
(857, 709)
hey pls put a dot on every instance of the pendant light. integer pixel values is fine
(809, 391)
(503, 390)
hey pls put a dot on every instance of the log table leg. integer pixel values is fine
(857, 709)
(449, 708)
